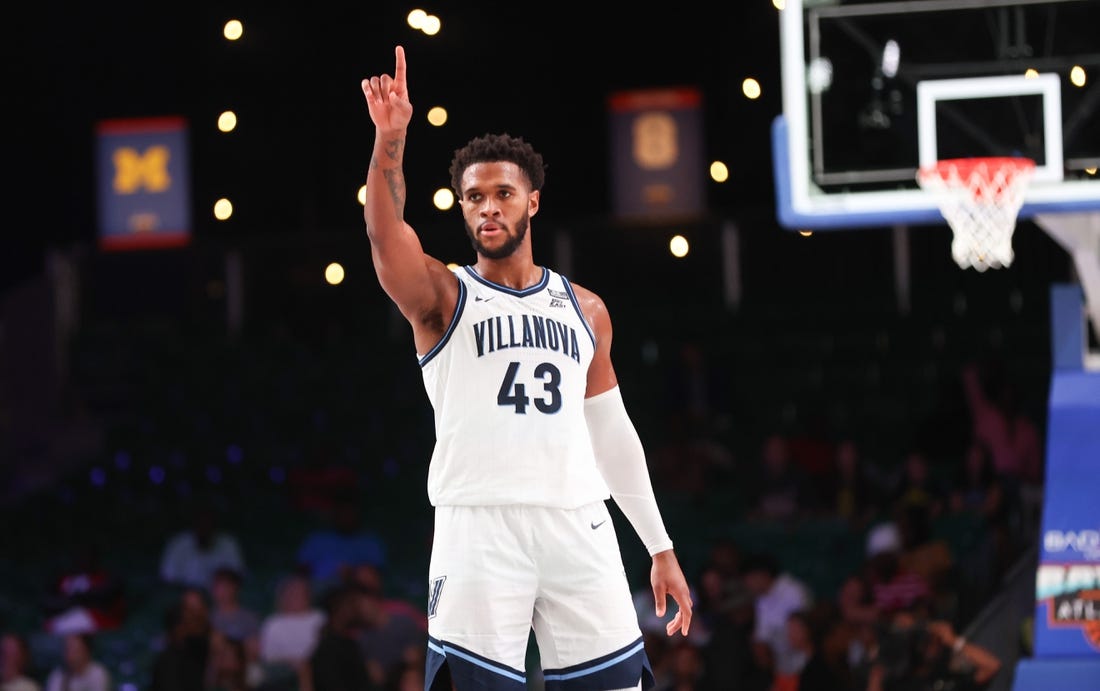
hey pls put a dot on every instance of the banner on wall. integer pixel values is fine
(657, 154)
(143, 186)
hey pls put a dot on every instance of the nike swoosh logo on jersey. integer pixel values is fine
(597, 525)
(478, 298)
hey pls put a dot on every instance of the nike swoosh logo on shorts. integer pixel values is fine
(597, 525)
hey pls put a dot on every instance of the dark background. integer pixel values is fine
(820, 345)
(304, 135)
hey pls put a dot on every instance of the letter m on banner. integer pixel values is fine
(143, 176)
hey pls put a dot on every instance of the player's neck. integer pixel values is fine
(518, 271)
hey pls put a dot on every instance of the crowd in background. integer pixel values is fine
(890, 622)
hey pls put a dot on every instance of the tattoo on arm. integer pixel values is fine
(396, 182)
(394, 148)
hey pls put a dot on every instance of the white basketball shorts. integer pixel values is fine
(498, 571)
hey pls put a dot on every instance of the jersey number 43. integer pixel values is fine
(513, 393)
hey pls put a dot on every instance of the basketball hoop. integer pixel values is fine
(980, 199)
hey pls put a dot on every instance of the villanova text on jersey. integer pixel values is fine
(532, 331)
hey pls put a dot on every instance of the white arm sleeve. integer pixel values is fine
(621, 461)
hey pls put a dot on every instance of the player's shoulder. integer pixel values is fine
(592, 307)
(586, 297)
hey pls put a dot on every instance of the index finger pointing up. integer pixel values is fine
(399, 70)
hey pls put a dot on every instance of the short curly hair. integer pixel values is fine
(498, 147)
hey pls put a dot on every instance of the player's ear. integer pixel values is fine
(533, 203)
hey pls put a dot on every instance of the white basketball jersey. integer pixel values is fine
(507, 383)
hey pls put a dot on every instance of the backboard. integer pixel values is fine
(874, 90)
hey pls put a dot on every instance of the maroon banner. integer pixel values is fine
(657, 154)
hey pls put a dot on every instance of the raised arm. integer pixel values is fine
(622, 463)
(421, 286)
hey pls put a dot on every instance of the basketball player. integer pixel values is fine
(531, 433)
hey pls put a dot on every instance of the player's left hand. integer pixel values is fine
(667, 579)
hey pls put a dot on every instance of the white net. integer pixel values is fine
(980, 198)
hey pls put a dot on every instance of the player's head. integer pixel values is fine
(496, 148)
(497, 178)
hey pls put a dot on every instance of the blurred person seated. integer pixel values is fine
(850, 491)
(372, 579)
(806, 634)
(229, 665)
(779, 485)
(892, 586)
(328, 554)
(977, 488)
(289, 634)
(85, 597)
(79, 670)
(685, 670)
(411, 677)
(231, 618)
(777, 594)
(980, 492)
(917, 653)
(392, 632)
(182, 659)
(338, 662)
(727, 608)
(927, 556)
(723, 603)
(918, 485)
(15, 664)
(191, 556)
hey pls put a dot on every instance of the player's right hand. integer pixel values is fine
(388, 97)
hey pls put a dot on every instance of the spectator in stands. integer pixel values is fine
(777, 594)
(328, 554)
(999, 422)
(915, 654)
(918, 485)
(685, 671)
(338, 662)
(392, 632)
(728, 651)
(15, 662)
(892, 586)
(982, 493)
(289, 634)
(926, 555)
(230, 618)
(411, 677)
(372, 579)
(806, 634)
(191, 556)
(780, 485)
(181, 663)
(850, 489)
(229, 665)
(85, 597)
(984, 499)
(723, 603)
(79, 670)
(228, 615)
(977, 488)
